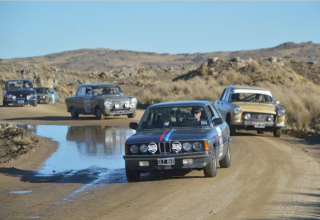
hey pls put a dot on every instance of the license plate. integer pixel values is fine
(166, 161)
(259, 125)
(20, 101)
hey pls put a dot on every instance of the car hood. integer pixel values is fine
(256, 107)
(116, 98)
(148, 136)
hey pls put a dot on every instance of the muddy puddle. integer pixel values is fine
(85, 154)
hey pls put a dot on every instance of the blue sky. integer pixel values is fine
(39, 28)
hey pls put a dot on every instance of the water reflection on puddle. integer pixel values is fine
(83, 149)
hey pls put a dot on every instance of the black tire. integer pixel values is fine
(231, 128)
(226, 161)
(5, 104)
(35, 103)
(277, 132)
(260, 132)
(132, 115)
(132, 175)
(74, 114)
(98, 113)
(210, 170)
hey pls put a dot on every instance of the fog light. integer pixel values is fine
(187, 161)
(127, 105)
(143, 163)
(247, 116)
(116, 106)
(270, 118)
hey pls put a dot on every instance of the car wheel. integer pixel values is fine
(132, 115)
(210, 170)
(99, 114)
(260, 132)
(74, 114)
(277, 132)
(226, 161)
(132, 175)
(35, 103)
(232, 128)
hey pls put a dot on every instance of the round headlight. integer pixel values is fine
(117, 106)
(9, 96)
(143, 148)
(13, 97)
(197, 146)
(270, 118)
(237, 110)
(281, 112)
(134, 149)
(28, 97)
(43, 97)
(107, 104)
(134, 101)
(127, 104)
(152, 148)
(247, 116)
(187, 146)
(176, 147)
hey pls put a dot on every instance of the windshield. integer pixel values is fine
(19, 84)
(42, 90)
(106, 90)
(174, 117)
(250, 97)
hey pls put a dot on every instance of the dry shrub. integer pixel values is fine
(22, 140)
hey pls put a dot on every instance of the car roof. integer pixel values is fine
(99, 84)
(191, 102)
(19, 80)
(43, 87)
(248, 87)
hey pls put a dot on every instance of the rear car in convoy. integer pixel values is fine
(103, 99)
(19, 92)
(47, 95)
(178, 135)
(251, 108)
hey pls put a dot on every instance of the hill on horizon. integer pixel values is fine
(89, 60)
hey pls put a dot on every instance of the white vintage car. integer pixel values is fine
(251, 108)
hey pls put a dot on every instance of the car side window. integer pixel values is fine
(211, 114)
(215, 112)
(222, 94)
(88, 91)
(226, 95)
(81, 92)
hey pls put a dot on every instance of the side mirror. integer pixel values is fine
(277, 102)
(217, 121)
(133, 125)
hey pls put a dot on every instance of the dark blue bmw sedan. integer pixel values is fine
(178, 135)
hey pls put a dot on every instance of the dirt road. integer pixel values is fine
(269, 178)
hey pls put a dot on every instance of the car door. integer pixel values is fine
(217, 102)
(87, 101)
(223, 104)
(79, 100)
(221, 127)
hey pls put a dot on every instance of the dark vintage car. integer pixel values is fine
(101, 100)
(47, 95)
(178, 135)
(19, 92)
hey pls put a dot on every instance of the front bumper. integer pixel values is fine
(250, 125)
(200, 160)
(21, 101)
(46, 101)
(119, 111)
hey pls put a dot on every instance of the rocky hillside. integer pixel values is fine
(88, 60)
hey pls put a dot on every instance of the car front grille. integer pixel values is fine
(258, 117)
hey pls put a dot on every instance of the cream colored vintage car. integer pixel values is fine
(251, 108)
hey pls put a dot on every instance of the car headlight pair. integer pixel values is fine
(237, 110)
(281, 112)
(197, 146)
(10, 96)
(135, 148)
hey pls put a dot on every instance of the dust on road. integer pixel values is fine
(269, 178)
